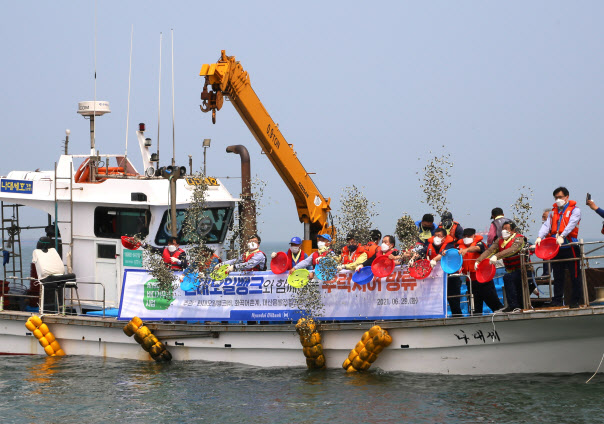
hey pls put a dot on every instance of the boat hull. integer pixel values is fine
(558, 341)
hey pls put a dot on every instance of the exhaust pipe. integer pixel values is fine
(247, 206)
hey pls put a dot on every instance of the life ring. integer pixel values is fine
(82, 175)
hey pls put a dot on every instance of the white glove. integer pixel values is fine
(230, 269)
(538, 241)
(411, 262)
(559, 240)
(340, 267)
(175, 260)
(493, 259)
(273, 255)
(358, 268)
(476, 264)
(433, 263)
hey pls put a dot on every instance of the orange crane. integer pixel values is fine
(227, 78)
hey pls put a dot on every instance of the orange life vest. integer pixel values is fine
(452, 231)
(469, 258)
(371, 249)
(511, 263)
(559, 223)
(166, 256)
(347, 259)
(432, 251)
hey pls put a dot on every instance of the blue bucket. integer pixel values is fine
(451, 261)
(189, 282)
(326, 269)
(363, 276)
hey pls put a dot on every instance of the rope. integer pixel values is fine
(596, 370)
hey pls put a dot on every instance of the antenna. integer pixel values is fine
(159, 96)
(173, 139)
(92, 133)
(128, 112)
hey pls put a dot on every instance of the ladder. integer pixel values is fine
(11, 240)
(66, 221)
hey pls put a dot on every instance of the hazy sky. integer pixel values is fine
(514, 90)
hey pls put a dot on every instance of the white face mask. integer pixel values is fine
(385, 247)
(438, 241)
(321, 244)
(252, 245)
(505, 234)
(295, 249)
(171, 248)
(560, 202)
(468, 240)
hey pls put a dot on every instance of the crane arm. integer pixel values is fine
(227, 78)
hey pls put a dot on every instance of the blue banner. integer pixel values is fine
(16, 186)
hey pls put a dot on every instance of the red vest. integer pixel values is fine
(290, 258)
(564, 221)
(316, 256)
(257, 267)
(392, 251)
(166, 255)
(511, 263)
(470, 257)
(347, 259)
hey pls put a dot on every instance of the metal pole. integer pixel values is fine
(57, 209)
(173, 205)
(525, 291)
(204, 161)
(582, 264)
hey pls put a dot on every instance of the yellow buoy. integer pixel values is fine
(36, 320)
(311, 343)
(366, 351)
(147, 340)
(45, 337)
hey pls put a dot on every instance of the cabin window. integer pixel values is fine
(117, 222)
(213, 226)
(105, 251)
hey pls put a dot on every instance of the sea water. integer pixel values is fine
(39, 389)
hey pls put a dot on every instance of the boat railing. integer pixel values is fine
(468, 294)
(9, 295)
(71, 298)
(527, 264)
(63, 309)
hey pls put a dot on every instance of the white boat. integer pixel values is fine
(92, 209)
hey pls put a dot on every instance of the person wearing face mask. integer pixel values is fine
(437, 245)
(508, 247)
(452, 227)
(470, 248)
(372, 248)
(496, 225)
(425, 228)
(324, 249)
(252, 260)
(295, 254)
(563, 224)
(387, 248)
(353, 254)
(173, 256)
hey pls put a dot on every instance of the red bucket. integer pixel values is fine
(420, 269)
(547, 249)
(279, 263)
(382, 266)
(485, 271)
(129, 243)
